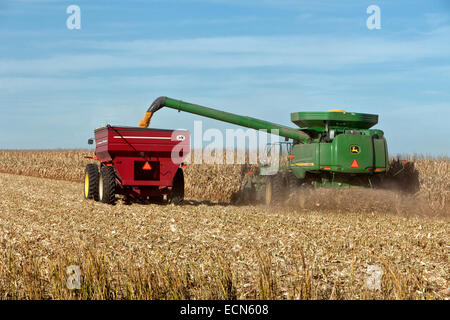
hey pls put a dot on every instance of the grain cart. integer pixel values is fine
(137, 163)
(328, 149)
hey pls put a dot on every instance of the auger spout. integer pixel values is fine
(248, 122)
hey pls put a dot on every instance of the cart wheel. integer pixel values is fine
(91, 182)
(107, 185)
(275, 189)
(177, 194)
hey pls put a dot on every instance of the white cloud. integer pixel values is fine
(320, 52)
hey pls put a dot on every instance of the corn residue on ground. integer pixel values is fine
(202, 250)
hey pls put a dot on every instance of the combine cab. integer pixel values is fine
(137, 163)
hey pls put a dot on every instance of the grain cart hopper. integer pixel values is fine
(137, 163)
(328, 149)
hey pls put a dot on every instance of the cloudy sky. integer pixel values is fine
(261, 58)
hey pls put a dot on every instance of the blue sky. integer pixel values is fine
(261, 58)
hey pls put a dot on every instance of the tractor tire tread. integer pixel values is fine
(93, 175)
(109, 184)
(176, 197)
(278, 189)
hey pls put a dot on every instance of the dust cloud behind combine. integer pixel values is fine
(421, 188)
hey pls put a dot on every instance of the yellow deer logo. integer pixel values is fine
(354, 149)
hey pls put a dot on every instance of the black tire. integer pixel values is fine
(292, 182)
(107, 185)
(294, 191)
(247, 191)
(275, 189)
(176, 196)
(91, 177)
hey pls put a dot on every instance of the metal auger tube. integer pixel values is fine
(243, 121)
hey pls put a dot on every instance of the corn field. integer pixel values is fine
(203, 180)
(323, 247)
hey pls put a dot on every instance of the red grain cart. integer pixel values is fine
(138, 163)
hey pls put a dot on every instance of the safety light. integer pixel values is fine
(147, 166)
(354, 164)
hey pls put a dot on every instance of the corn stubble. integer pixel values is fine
(316, 247)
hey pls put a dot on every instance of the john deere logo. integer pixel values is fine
(354, 149)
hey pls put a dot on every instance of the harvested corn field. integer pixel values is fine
(209, 249)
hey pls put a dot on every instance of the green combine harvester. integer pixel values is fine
(328, 149)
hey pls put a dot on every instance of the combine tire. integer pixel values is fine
(176, 196)
(107, 185)
(292, 182)
(275, 189)
(247, 191)
(91, 182)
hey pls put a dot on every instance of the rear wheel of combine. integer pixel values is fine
(275, 189)
(176, 196)
(292, 186)
(247, 191)
(107, 185)
(292, 182)
(91, 182)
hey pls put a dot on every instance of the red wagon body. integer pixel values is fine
(146, 162)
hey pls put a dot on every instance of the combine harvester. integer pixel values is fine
(329, 149)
